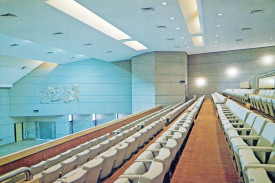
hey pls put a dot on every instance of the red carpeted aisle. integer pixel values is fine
(206, 156)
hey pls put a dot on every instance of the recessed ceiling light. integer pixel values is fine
(271, 38)
(135, 45)
(172, 18)
(200, 82)
(220, 14)
(177, 28)
(86, 16)
(182, 37)
(232, 71)
(217, 35)
(218, 25)
(216, 41)
(164, 3)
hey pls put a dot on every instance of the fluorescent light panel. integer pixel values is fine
(135, 45)
(190, 12)
(84, 15)
(197, 40)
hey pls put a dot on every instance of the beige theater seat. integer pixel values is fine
(53, 161)
(65, 155)
(94, 151)
(51, 174)
(38, 168)
(69, 165)
(76, 176)
(82, 157)
(121, 151)
(93, 168)
(109, 159)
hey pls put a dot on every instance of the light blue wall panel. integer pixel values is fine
(103, 88)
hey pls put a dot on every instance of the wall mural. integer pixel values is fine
(60, 94)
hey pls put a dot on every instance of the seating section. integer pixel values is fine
(218, 98)
(241, 95)
(95, 160)
(251, 139)
(264, 101)
(154, 163)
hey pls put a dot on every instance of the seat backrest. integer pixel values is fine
(272, 161)
(69, 165)
(78, 177)
(258, 125)
(250, 120)
(146, 155)
(65, 155)
(53, 161)
(154, 174)
(94, 168)
(82, 157)
(271, 93)
(243, 114)
(267, 139)
(52, 174)
(137, 168)
(38, 168)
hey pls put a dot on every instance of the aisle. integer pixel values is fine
(206, 156)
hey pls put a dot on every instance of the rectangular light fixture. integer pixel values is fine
(84, 15)
(135, 45)
(190, 12)
(93, 117)
(197, 40)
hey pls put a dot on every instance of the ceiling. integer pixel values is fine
(40, 32)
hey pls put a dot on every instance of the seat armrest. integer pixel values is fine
(267, 167)
(257, 149)
(246, 137)
(147, 161)
(243, 129)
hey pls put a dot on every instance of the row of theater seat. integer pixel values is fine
(154, 163)
(241, 95)
(64, 164)
(251, 139)
(264, 101)
(145, 120)
(218, 98)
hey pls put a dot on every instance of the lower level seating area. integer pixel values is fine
(218, 98)
(241, 95)
(251, 139)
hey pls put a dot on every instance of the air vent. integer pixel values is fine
(176, 46)
(88, 44)
(8, 15)
(246, 28)
(50, 52)
(72, 57)
(147, 9)
(108, 52)
(170, 39)
(14, 45)
(255, 11)
(24, 67)
(239, 39)
(161, 27)
(58, 33)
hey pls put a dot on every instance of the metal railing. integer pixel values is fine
(13, 173)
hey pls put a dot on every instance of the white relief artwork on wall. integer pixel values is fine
(60, 94)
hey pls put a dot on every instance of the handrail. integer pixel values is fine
(15, 172)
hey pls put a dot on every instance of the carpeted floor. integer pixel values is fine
(206, 157)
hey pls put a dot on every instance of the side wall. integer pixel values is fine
(213, 67)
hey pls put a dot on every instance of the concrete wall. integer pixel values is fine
(213, 67)
(155, 79)
(143, 82)
(170, 69)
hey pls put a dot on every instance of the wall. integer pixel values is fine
(155, 79)
(170, 69)
(213, 66)
(143, 82)
(103, 88)
(6, 123)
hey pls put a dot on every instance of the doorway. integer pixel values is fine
(18, 128)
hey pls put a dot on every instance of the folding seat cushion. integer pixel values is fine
(77, 176)
(53, 161)
(38, 168)
(76, 150)
(250, 161)
(138, 173)
(69, 165)
(93, 168)
(109, 159)
(95, 150)
(65, 155)
(257, 175)
(121, 151)
(52, 173)
(82, 157)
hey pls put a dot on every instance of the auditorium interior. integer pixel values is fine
(137, 91)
